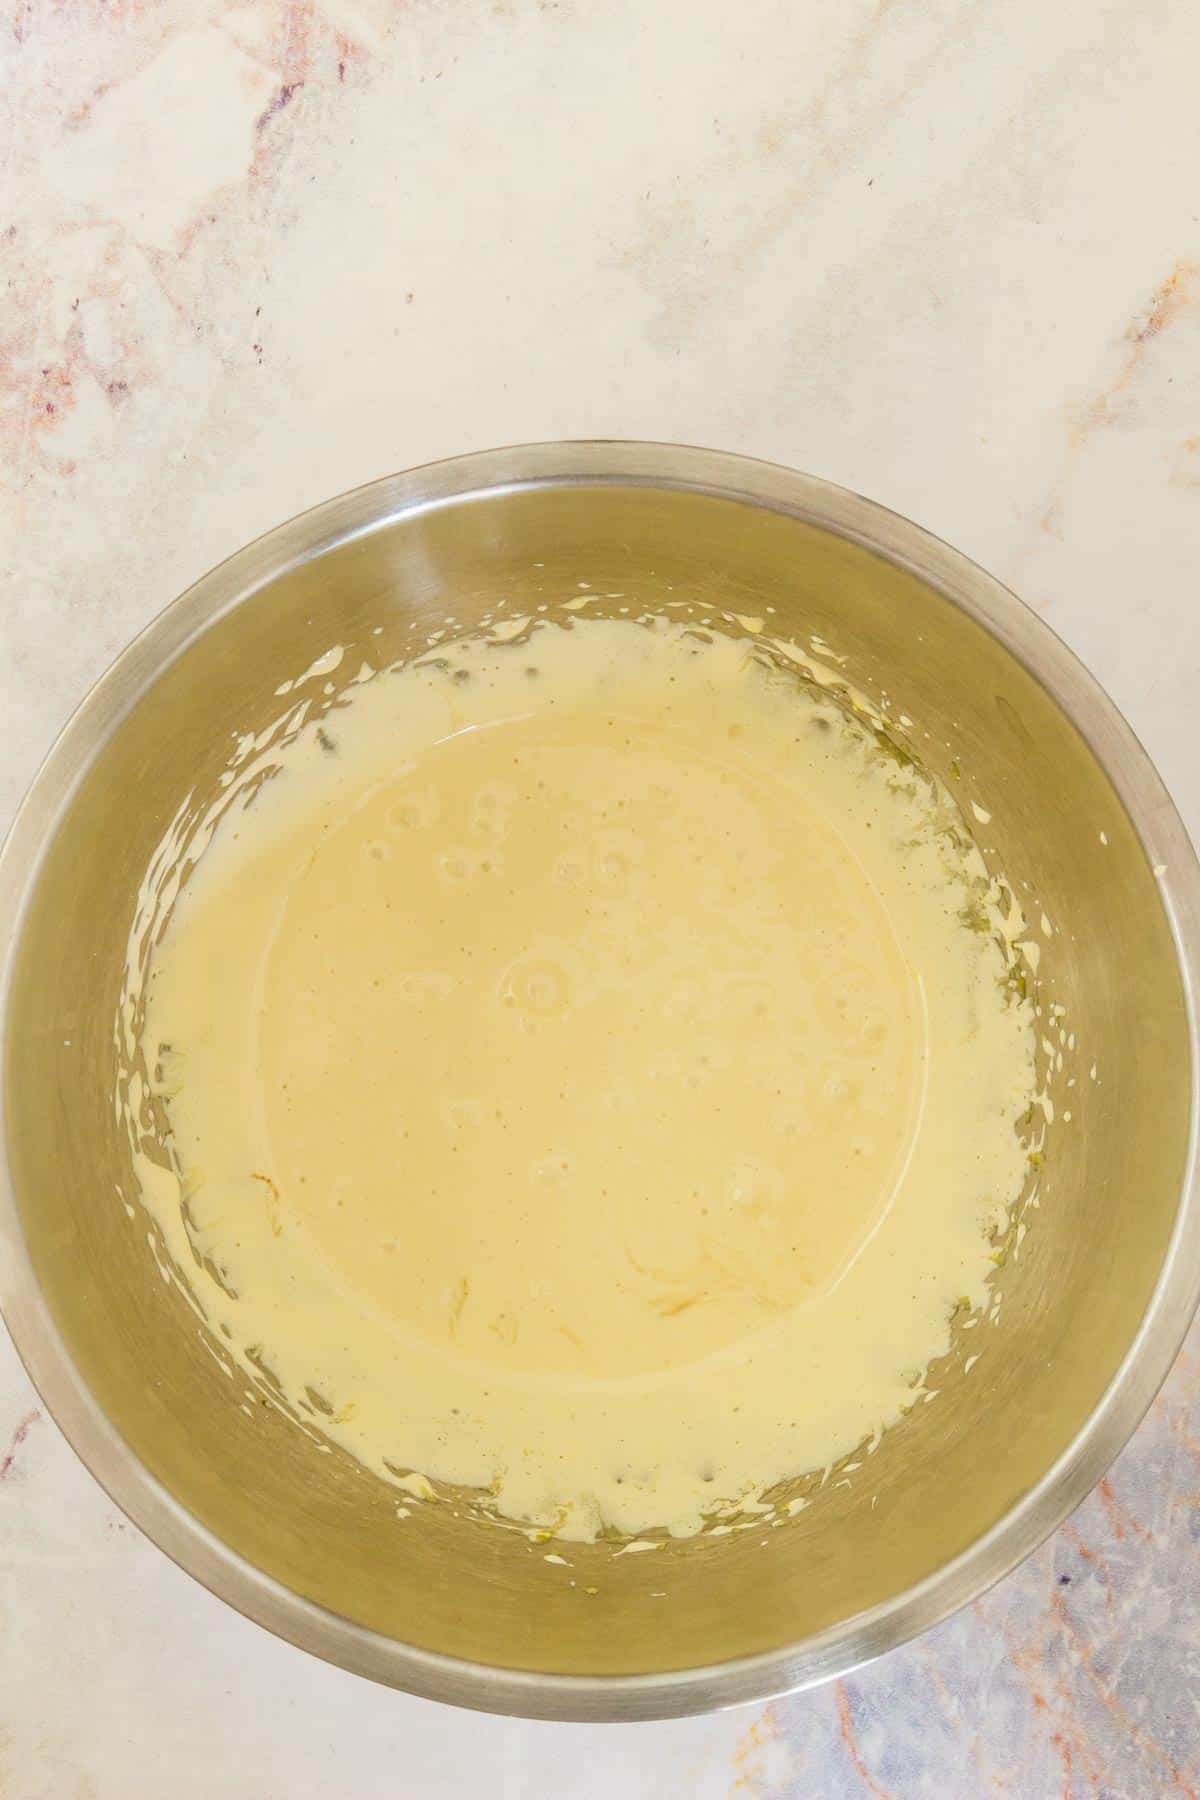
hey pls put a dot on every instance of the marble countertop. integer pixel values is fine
(945, 253)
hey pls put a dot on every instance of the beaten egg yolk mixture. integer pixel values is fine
(583, 1081)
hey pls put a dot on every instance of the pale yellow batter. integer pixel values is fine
(585, 1083)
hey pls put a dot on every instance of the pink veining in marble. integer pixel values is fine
(8, 1461)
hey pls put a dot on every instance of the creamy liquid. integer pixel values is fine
(583, 1083)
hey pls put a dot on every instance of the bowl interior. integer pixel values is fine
(1073, 1296)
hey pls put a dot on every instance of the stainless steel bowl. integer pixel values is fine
(1093, 1309)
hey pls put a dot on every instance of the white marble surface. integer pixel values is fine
(945, 252)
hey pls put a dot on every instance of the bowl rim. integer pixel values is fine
(840, 1648)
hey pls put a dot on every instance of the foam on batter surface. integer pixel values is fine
(587, 1079)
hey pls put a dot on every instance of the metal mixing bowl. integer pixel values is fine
(1093, 1309)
